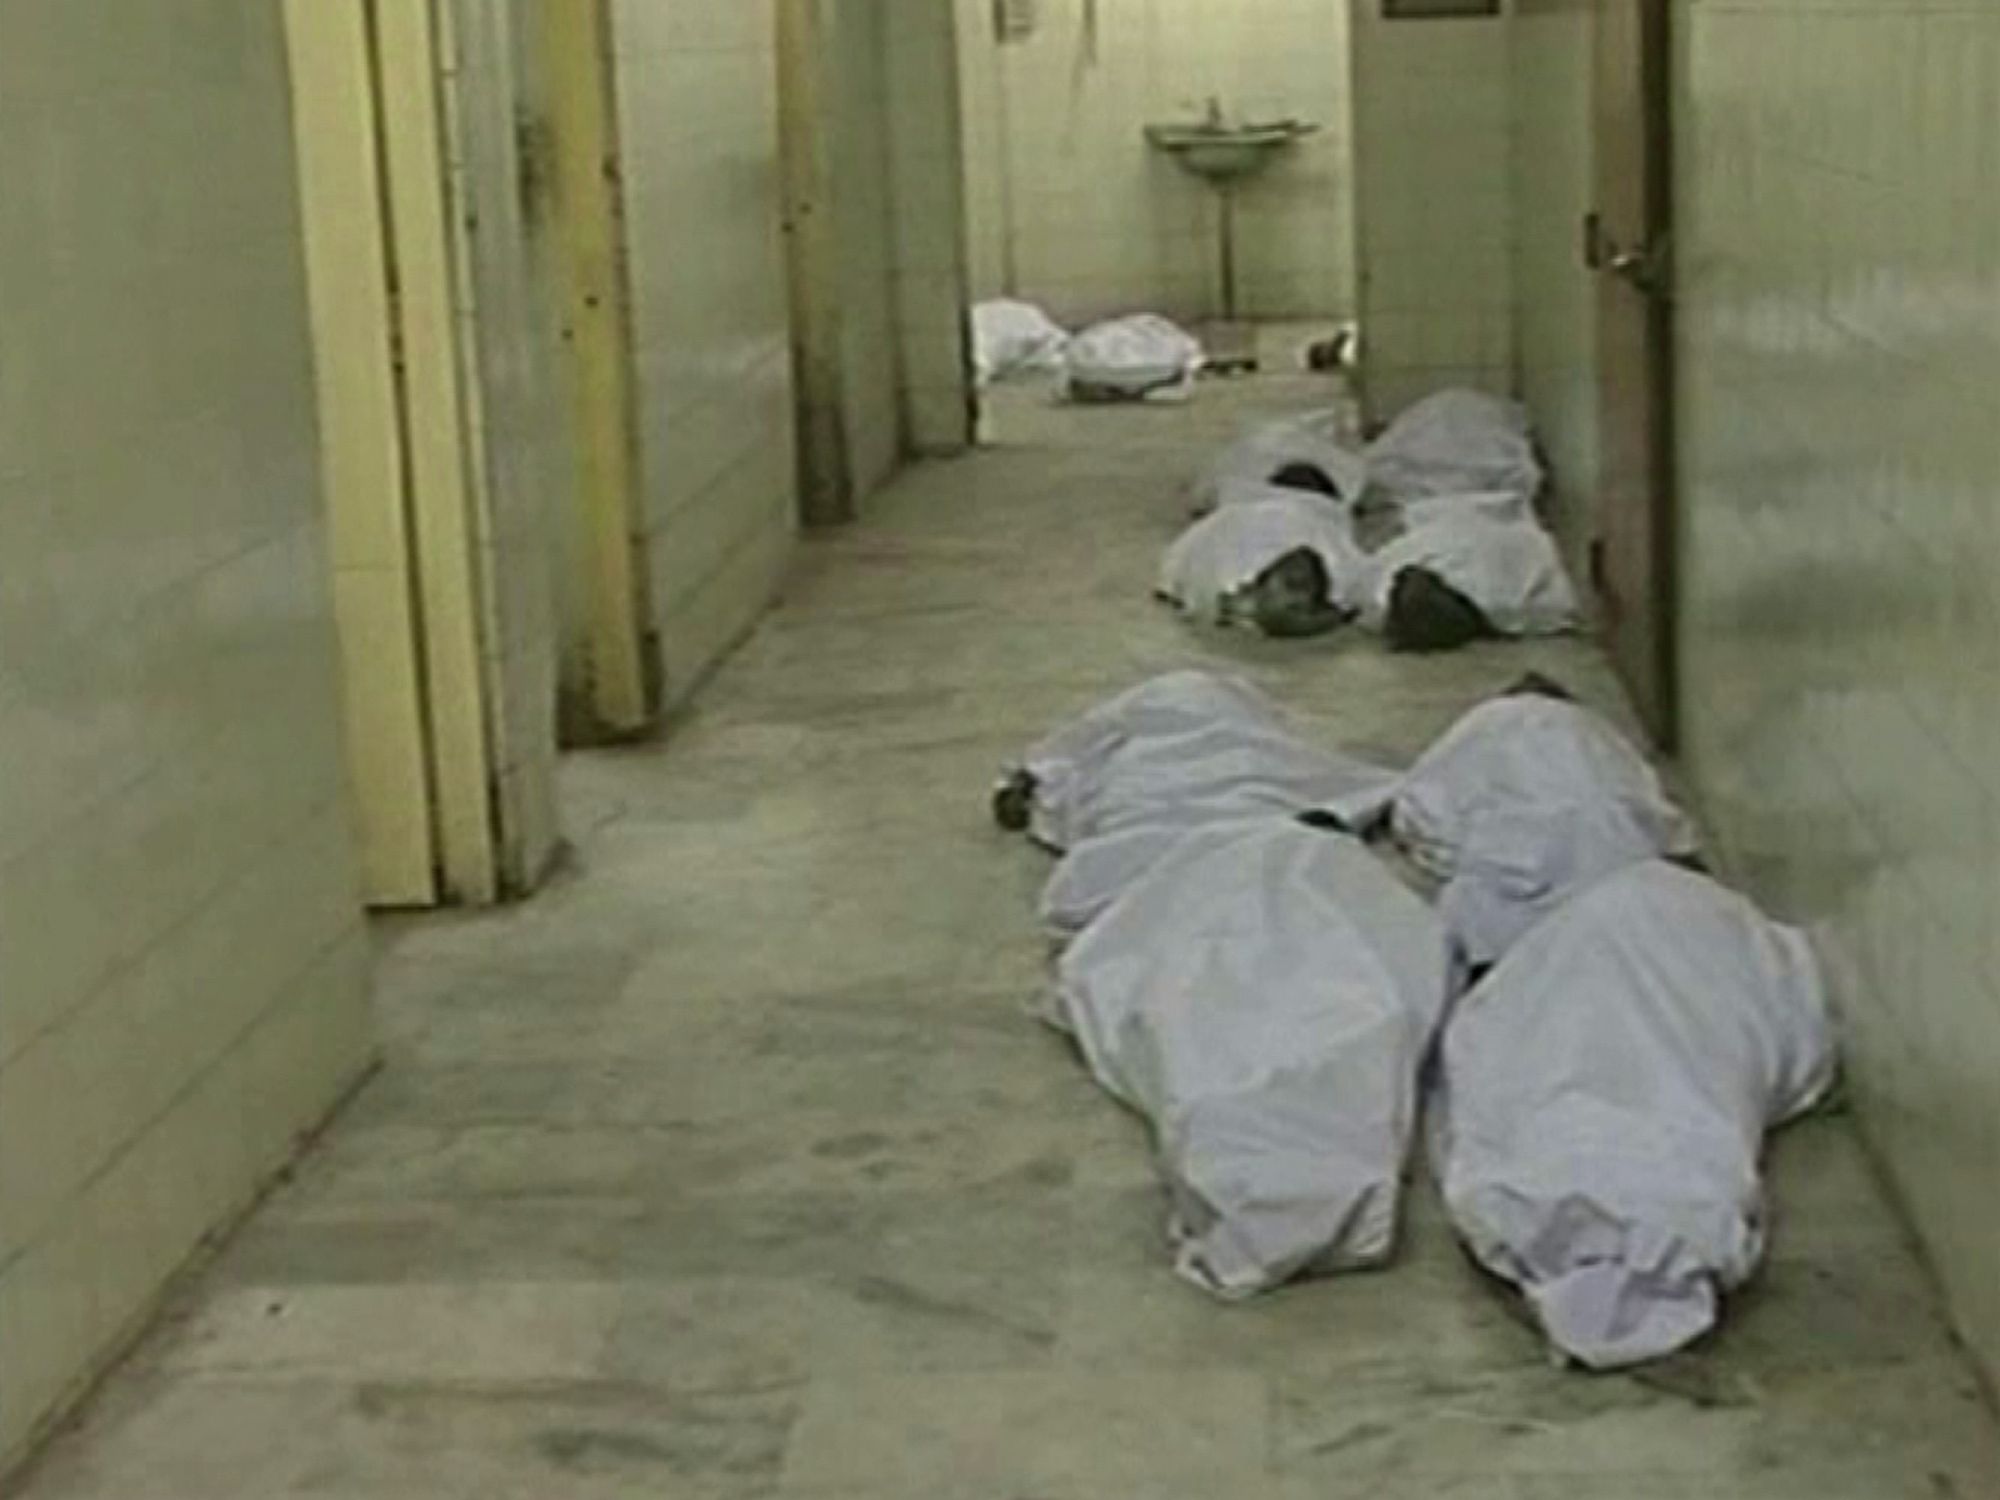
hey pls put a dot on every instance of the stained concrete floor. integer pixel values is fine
(732, 1167)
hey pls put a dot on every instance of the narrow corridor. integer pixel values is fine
(733, 1166)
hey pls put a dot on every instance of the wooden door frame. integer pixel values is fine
(364, 460)
(1662, 523)
(805, 46)
(436, 410)
(621, 696)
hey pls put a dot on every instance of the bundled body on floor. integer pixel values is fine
(1238, 964)
(1450, 485)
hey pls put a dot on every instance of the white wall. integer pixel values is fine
(181, 952)
(698, 122)
(870, 357)
(1840, 349)
(927, 195)
(1434, 216)
(1553, 164)
(1069, 207)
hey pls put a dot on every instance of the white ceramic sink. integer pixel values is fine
(1223, 153)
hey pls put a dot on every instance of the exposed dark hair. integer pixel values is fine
(1536, 685)
(1428, 614)
(1304, 476)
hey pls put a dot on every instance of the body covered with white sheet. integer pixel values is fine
(1011, 338)
(1604, 1096)
(1132, 358)
(1523, 802)
(1499, 559)
(1265, 995)
(1211, 567)
(1314, 441)
(1117, 788)
(1456, 442)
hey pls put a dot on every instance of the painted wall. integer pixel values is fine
(1434, 210)
(927, 226)
(1840, 351)
(1069, 207)
(863, 206)
(181, 952)
(1553, 81)
(698, 119)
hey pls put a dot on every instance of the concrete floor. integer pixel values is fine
(732, 1167)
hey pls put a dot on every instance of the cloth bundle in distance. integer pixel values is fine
(1130, 359)
(1011, 338)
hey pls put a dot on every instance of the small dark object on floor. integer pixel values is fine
(1292, 598)
(1330, 354)
(1014, 802)
(1428, 614)
(1090, 393)
(1309, 477)
(1225, 366)
(1535, 684)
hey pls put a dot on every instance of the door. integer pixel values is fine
(1629, 246)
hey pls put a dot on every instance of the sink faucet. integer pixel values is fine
(1214, 112)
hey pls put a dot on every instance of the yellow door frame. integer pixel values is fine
(436, 414)
(363, 457)
(806, 50)
(622, 695)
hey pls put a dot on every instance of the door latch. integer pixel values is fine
(1649, 268)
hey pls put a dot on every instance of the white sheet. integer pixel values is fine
(1493, 505)
(1264, 995)
(1117, 788)
(1077, 792)
(1520, 804)
(1134, 356)
(1456, 442)
(1604, 1096)
(1245, 467)
(1509, 568)
(1225, 551)
(1012, 338)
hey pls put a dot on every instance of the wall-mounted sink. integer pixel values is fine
(1224, 153)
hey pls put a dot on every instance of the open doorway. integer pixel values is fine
(1082, 201)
